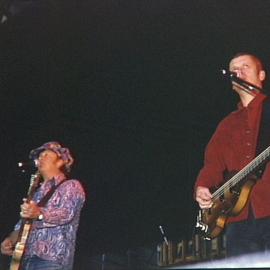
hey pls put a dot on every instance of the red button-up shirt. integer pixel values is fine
(233, 146)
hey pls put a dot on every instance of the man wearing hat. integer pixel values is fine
(54, 218)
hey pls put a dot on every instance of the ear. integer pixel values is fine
(262, 75)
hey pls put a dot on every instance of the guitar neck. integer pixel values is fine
(25, 228)
(249, 168)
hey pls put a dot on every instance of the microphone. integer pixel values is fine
(244, 84)
(24, 166)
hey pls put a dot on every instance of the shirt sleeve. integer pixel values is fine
(212, 173)
(63, 206)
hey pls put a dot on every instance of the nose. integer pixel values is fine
(36, 162)
(238, 72)
(40, 157)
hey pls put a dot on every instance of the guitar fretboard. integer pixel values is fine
(249, 168)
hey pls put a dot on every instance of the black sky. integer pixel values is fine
(134, 89)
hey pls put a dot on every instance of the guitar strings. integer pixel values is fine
(242, 173)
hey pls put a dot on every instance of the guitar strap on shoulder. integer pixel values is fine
(49, 194)
(264, 132)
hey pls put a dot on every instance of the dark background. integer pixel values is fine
(134, 89)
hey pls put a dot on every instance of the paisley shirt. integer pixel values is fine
(54, 237)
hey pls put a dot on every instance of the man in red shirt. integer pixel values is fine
(231, 148)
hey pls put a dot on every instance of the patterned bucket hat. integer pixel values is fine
(56, 147)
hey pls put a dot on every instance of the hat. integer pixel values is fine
(56, 147)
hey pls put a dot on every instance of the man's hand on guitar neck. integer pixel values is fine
(203, 197)
(30, 210)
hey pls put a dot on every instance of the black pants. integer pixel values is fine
(248, 236)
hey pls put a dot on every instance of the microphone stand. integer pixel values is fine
(163, 235)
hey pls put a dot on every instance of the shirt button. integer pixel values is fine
(248, 144)
(248, 131)
(247, 156)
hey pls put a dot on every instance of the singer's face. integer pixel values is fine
(247, 69)
(49, 161)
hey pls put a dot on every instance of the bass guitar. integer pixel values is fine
(231, 198)
(25, 228)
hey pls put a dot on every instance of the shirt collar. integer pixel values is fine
(254, 102)
(56, 180)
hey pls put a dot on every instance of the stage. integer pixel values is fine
(246, 261)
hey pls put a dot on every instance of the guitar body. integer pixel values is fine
(20, 247)
(231, 203)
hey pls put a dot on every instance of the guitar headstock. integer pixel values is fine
(35, 180)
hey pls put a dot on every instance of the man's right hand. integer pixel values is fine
(204, 197)
(7, 247)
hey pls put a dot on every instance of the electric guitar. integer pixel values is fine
(25, 228)
(231, 198)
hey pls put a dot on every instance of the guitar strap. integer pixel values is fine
(263, 135)
(49, 194)
(264, 130)
(262, 143)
